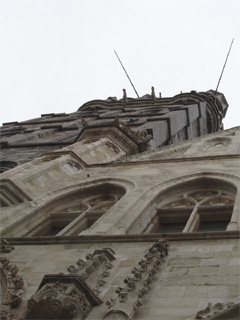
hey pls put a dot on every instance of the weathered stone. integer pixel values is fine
(103, 186)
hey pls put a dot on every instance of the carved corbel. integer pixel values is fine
(144, 291)
(148, 281)
(72, 269)
(143, 264)
(137, 304)
(130, 283)
(61, 297)
(111, 302)
(122, 294)
(137, 273)
(71, 296)
(81, 264)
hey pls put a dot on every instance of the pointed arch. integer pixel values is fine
(73, 212)
(162, 198)
(69, 210)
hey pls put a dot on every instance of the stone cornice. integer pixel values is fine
(167, 160)
(126, 238)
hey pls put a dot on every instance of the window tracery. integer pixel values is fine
(198, 208)
(76, 212)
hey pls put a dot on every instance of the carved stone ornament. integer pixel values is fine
(95, 269)
(131, 295)
(219, 311)
(61, 297)
(72, 295)
(12, 288)
(5, 246)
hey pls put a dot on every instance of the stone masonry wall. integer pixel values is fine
(192, 275)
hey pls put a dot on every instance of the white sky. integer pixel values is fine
(58, 54)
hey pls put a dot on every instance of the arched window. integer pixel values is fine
(199, 205)
(73, 213)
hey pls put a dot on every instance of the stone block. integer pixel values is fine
(183, 302)
(187, 262)
(178, 271)
(172, 313)
(212, 280)
(235, 260)
(168, 292)
(196, 254)
(222, 247)
(234, 291)
(203, 270)
(188, 249)
(185, 280)
(229, 269)
(205, 291)
(215, 262)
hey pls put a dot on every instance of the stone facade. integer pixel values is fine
(131, 214)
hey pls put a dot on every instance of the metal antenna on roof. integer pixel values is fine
(224, 66)
(126, 73)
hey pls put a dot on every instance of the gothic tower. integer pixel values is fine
(124, 209)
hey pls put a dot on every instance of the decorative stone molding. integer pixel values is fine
(173, 150)
(5, 246)
(144, 135)
(11, 194)
(12, 288)
(120, 135)
(131, 295)
(95, 268)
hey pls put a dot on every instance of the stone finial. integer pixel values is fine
(125, 96)
(153, 97)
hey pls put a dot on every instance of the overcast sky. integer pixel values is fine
(58, 54)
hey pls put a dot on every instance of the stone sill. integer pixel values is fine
(126, 238)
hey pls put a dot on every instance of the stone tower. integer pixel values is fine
(124, 209)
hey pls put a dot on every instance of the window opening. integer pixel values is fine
(170, 227)
(53, 231)
(76, 212)
(206, 206)
(213, 225)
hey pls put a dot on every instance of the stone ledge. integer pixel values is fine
(127, 238)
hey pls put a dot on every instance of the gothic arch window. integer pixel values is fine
(201, 205)
(77, 211)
